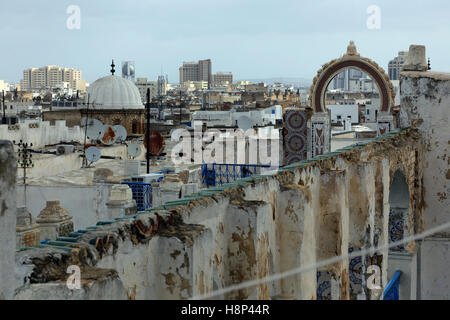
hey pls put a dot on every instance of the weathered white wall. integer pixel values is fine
(44, 134)
(8, 167)
(272, 224)
(166, 267)
(47, 165)
(407, 263)
(425, 103)
(86, 204)
(434, 263)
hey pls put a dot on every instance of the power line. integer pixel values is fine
(323, 263)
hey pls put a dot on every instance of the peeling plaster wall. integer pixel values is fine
(8, 168)
(85, 213)
(45, 134)
(164, 267)
(269, 224)
(425, 103)
(107, 289)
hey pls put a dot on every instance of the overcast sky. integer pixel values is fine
(251, 38)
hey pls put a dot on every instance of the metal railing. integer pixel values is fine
(142, 194)
(392, 289)
(220, 173)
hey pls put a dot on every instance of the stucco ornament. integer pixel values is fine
(351, 49)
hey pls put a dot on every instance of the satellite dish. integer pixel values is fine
(157, 143)
(244, 123)
(121, 133)
(134, 150)
(93, 154)
(95, 130)
(109, 135)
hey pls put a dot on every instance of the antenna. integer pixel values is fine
(93, 154)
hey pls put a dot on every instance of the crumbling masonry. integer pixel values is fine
(310, 211)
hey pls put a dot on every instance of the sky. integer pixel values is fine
(251, 38)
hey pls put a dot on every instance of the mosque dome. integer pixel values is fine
(113, 92)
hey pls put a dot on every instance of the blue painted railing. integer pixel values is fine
(142, 194)
(219, 173)
(392, 289)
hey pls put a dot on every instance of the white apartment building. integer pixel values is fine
(195, 85)
(362, 85)
(50, 77)
(4, 86)
(341, 112)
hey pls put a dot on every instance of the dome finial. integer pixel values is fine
(351, 49)
(112, 67)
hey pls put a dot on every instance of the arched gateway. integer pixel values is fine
(319, 125)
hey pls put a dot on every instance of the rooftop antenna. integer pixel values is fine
(24, 162)
(429, 64)
(85, 131)
(147, 130)
(4, 109)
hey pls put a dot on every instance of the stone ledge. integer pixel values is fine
(435, 75)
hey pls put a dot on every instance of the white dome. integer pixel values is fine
(113, 92)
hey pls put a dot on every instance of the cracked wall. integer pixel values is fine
(8, 169)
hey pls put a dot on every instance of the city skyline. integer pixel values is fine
(160, 36)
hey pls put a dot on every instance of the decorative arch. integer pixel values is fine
(319, 126)
(351, 59)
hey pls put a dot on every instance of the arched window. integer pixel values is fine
(134, 127)
(399, 208)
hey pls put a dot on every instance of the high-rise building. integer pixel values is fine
(222, 78)
(204, 71)
(396, 64)
(50, 77)
(128, 70)
(162, 85)
(196, 71)
(188, 72)
(343, 79)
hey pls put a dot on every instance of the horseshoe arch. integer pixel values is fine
(351, 59)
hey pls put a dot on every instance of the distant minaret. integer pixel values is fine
(112, 67)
